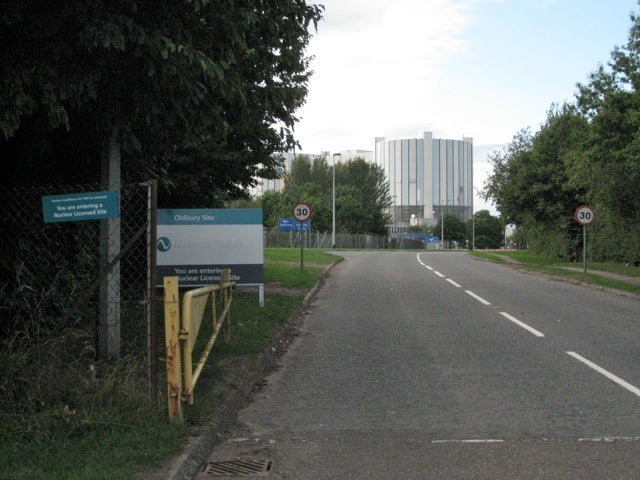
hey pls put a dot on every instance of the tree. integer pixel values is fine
(275, 205)
(611, 100)
(362, 195)
(488, 230)
(500, 184)
(298, 179)
(310, 181)
(361, 205)
(610, 168)
(200, 94)
(585, 153)
(531, 186)
(455, 230)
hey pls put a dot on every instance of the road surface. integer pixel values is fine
(437, 365)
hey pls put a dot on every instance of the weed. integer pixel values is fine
(64, 416)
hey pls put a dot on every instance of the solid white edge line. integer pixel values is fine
(438, 273)
(609, 375)
(453, 283)
(522, 324)
(477, 297)
(430, 268)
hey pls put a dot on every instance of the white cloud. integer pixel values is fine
(377, 68)
(478, 68)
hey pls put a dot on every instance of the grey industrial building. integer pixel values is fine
(428, 177)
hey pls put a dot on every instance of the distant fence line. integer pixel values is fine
(324, 240)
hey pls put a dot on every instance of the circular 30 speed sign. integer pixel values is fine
(301, 212)
(585, 215)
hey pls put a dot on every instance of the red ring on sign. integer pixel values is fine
(585, 215)
(301, 211)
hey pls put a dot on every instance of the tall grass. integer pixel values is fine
(64, 416)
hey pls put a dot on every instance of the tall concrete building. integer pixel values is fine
(428, 178)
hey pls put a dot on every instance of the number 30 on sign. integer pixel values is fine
(585, 215)
(301, 212)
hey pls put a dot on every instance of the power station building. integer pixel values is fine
(428, 178)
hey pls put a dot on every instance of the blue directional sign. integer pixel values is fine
(80, 206)
(293, 225)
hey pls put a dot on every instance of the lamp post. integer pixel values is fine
(473, 227)
(333, 204)
(441, 227)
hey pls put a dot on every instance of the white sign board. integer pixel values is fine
(197, 244)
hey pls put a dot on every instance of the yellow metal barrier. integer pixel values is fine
(181, 333)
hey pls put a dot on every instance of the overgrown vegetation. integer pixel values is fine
(587, 152)
(64, 417)
(201, 95)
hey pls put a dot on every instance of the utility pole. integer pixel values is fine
(109, 315)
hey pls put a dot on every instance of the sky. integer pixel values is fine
(484, 69)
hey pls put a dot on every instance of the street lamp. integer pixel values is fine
(441, 227)
(333, 203)
(473, 227)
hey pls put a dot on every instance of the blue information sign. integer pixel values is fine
(293, 225)
(75, 207)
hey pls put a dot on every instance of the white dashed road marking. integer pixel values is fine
(607, 374)
(477, 297)
(522, 324)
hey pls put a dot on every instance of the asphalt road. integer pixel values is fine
(440, 366)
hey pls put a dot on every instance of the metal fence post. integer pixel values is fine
(152, 278)
(110, 238)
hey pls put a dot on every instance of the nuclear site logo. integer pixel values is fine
(163, 244)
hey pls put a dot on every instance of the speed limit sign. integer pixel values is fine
(301, 212)
(585, 215)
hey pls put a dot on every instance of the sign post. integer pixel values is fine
(301, 212)
(584, 216)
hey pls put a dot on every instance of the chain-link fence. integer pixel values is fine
(76, 292)
(325, 240)
(57, 284)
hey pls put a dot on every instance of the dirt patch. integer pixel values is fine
(278, 288)
(615, 276)
(508, 259)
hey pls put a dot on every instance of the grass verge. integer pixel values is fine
(612, 275)
(113, 432)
